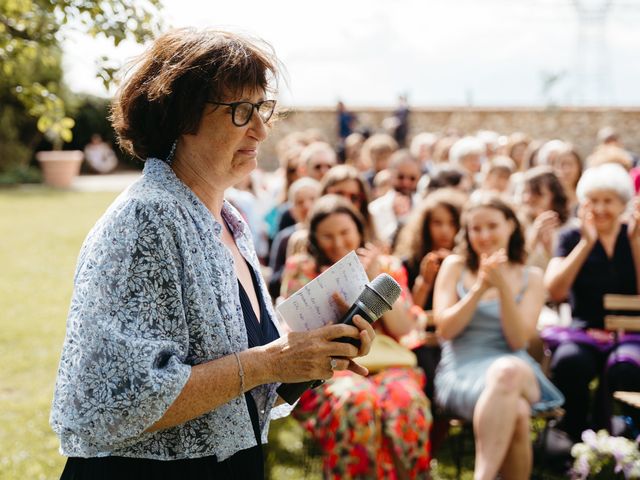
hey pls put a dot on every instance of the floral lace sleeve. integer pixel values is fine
(127, 338)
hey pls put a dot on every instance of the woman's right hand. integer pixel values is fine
(543, 227)
(302, 356)
(587, 226)
(490, 272)
(430, 264)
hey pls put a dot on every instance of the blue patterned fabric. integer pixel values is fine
(155, 293)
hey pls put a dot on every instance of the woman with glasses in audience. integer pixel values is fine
(600, 256)
(172, 357)
(486, 305)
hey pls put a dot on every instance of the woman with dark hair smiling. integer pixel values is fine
(486, 306)
(427, 239)
(172, 357)
(367, 427)
(547, 209)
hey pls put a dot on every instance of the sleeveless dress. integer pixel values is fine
(460, 376)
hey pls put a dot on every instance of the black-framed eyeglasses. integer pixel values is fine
(241, 112)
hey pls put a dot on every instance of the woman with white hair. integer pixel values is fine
(600, 256)
(468, 153)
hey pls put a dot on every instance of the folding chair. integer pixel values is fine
(618, 324)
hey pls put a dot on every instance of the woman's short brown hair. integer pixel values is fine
(165, 95)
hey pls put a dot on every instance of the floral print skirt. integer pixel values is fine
(370, 427)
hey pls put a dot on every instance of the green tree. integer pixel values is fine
(32, 94)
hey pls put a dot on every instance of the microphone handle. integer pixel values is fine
(357, 308)
(291, 392)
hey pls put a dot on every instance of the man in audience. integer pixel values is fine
(390, 210)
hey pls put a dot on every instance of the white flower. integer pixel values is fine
(599, 449)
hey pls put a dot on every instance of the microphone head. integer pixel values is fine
(380, 294)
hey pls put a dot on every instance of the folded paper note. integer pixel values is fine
(313, 306)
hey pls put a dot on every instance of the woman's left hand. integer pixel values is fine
(492, 268)
(367, 334)
(633, 227)
(369, 255)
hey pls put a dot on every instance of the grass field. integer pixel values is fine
(40, 235)
(41, 232)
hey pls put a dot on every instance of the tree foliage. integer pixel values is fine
(30, 58)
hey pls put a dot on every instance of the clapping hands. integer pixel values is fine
(543, 229)
(430, 264)
(633, 226)
(491, 271)
(587, 224)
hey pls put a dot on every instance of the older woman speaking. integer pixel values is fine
(172, 357)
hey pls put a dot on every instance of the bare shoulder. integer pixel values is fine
(451, 267)
(453, 261)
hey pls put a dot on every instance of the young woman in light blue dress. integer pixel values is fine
(486, 306)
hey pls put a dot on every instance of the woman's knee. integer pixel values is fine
(510, 374)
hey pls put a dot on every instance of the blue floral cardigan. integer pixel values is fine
(155, 293)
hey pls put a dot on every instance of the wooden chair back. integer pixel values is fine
(625, 303)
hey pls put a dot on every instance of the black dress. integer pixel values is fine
(245, 464)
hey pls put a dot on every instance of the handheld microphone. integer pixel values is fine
(378, 297)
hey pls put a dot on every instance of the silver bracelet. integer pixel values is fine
(240, 373)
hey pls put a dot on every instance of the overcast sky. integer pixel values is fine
(439, 52)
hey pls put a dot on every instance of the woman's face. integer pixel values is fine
(337, 235)
(567, 169)
(607, 207)
(221, 150)
(517, 153)
(303, 200)
(349, 189)
(442, 228)
(488, 230)
(537, 202)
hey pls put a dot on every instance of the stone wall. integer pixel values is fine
(578, 125)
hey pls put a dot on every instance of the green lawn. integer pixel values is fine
(41, 232)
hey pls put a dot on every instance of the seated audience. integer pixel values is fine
(546, 210)
(346, 181)
(427, 239)
(302, 195)
(392, 209)
(486, 306)
(600, 256)
(468, 153)
(496, 174)
(367, 427)
(567, 165)
(318, 158)
(376, 153)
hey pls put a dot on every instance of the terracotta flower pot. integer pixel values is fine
(60, 167)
